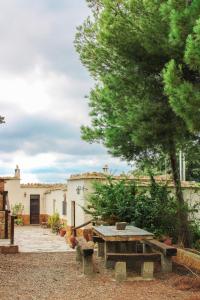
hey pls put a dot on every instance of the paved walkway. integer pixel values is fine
(37, 239)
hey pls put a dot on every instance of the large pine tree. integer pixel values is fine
(130, 48)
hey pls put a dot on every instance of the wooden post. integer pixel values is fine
(88, 261)
(6, 224)
(4, 199)
(78, 253)
(166, 263)
(12, 228)
(100, 250)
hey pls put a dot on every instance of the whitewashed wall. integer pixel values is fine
(26, 192)
(79, 201)
(14, 191)
(192, 197)
(57, 197)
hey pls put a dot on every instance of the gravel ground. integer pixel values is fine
(55, 276)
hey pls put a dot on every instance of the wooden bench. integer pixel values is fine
(138, 256)
(84, 254)
(166, 253)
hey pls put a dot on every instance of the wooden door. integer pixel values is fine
(73, 213)
(34, 209)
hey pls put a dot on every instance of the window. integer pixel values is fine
(64, 206)
(54, 206)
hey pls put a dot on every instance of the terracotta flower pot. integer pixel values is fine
(62, 232)
(168, 241)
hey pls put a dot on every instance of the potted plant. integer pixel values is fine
(54, 223)
(17, 211)
(62, 230)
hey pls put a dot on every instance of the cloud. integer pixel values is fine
(43, 86)
(41, 33)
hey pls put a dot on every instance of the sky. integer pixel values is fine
(42, 93)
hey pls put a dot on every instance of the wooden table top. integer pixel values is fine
(131, 233)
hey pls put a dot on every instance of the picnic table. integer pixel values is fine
(132, 245)
(131, 233)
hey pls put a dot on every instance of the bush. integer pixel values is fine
(54, 222)
(19, 221)
(156, 210)
(195, 231)
(113, 201)
(153, 209)
(17, 210)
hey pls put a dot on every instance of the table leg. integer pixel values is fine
(100, 249)
(109, 247)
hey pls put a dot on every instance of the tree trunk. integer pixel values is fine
(184, 237)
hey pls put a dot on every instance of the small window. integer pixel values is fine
(54, 206)
(64, 210)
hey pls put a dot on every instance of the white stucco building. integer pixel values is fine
(42, 200)
(38, 200)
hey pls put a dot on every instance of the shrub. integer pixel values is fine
(54, 222)
(112, 201)
(195, 231)
(156, 210)
(17, 210)
(153, 208)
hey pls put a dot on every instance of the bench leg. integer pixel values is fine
(120, 271)
(166, 264)
(78, 253)
(109, 247)
(100, 249)
(147, 270)
(88, 265)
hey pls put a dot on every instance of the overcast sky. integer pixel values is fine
(42, 89)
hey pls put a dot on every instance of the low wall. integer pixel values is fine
(188, 259)
(26, 219)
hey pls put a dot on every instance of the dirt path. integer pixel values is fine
(56, 276)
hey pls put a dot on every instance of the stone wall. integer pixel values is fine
(2, 224)
(188, 259)
(3, 213)
(1, 201)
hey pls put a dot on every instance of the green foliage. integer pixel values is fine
(19, 221)
(113, 201)
(181, 75)
(17, 209)
(153, 208)
(159, 164)
(195, 229)
(156, 210)
(125, 47)
(192, 155)
(146, 97)
(54, 222)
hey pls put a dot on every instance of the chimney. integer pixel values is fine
(17, 172)
(105, 169)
